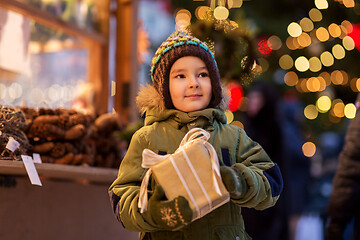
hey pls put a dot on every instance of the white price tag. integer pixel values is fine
(37, 158)
(31, 170)
(12, 144)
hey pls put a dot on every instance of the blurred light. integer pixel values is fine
(355, 35)
(345, 77)
(333, 118)
(229, 116)
(321, 4)
(309, 149)
(239, 124)
(310, 112)
(201, 12)
(313, 84)
(338, 51)
(303, 86)
(348, 43)
(291, 79)
(291, 43)
(286, 62)
(350, 110)
(334, 30)
(263, 47)
(15, 90)
(306, 24)
(235, 3)
(36, 96)
(221, 13)
(274, 42)
(322, 84)
(264, 64)
(323, 104)
(343, 32)
(54, 92)
(315, 64)
(3, 91)
(348, 3)
(338, 109)
(113, 88)
(182, 19)
(355, 84)
(294, 29)
(326, 76)
(336, 77)
(347, 25)
(315, 15)
(236, 95)
(322, 34)
(304, 40)
(327, 59)
(302, 64)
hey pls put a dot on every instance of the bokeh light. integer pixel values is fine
(309, 149)
(355, 84)
(229, 116)
(348, 43)
(221, 13)
(306, 24)
(304, 40)
(334, 30)
(350, 110)
(348, 3)
(338, 51)
(15, 90)
(201, 12)
(315, 15)
(322, 34)
(286, 62)
(294, 29)
(323, 104)
(291, 79)
(274, 42)
(338, 108)
(310, 112)
(302, 64)
(182, 19)
(321, 4)
(327, 59)
(315, 64)
(235, 3)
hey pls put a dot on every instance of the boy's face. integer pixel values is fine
(190, 84)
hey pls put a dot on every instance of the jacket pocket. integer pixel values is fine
(230, 232)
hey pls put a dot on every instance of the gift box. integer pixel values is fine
(192, 172)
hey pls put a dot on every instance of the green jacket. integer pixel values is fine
(162, 133)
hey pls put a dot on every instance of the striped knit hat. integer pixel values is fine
(178, 45)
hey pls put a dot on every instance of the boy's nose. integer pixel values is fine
(193, 82)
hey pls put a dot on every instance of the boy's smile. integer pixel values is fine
(190, 84)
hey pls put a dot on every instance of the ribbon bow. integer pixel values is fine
(150, 159)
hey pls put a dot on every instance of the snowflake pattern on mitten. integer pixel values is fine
(168, 216)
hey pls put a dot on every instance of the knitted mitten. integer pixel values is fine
(233, 181)
(169, 214)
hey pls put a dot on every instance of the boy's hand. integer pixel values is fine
(172, 214)
(233, 181)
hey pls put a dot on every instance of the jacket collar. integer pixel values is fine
(204, 119)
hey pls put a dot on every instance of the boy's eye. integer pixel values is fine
(203, 74)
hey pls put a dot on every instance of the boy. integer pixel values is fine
(186, 93)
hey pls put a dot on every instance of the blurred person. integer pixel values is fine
(296, 165)
(344, 202)
(263, 126)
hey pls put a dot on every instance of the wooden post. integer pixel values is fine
(126, 59)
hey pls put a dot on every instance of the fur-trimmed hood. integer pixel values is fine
(148, 98)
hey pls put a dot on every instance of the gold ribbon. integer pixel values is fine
(150, 159)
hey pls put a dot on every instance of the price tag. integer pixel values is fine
(31, 170)
(12, 144)
(37, 158)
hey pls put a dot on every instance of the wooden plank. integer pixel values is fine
(52, 21)
(58, 171)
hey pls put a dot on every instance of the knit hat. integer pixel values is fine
(178, 45)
